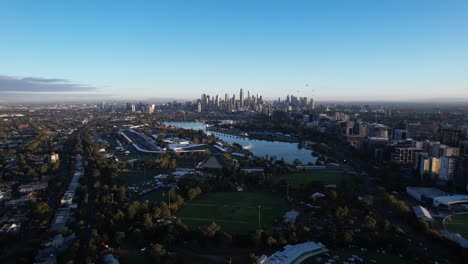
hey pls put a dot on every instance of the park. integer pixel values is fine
(297, 179)
(234, 212)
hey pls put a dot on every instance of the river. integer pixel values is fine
(261, 148)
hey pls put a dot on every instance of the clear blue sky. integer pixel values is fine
(346, 49)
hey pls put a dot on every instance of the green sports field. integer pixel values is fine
(154, 197)
(457, 224)
(300, 178)
(235, 212)
(139, 176)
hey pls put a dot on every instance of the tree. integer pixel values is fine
(157, 251)
(43, 169)
(370, 223)
(346, 237)
(211, 230)
(341, 212)
(133, 209)
(297, 162)
(271, 241)
(147, 222)
(43, 210)
(193, 193)
(368, 201)
(257, 237)
(119, 238)
(253, 259)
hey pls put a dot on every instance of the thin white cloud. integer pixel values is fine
(37, 85)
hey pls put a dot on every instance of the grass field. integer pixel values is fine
(138, 176)
(235, 212)
(299, 178)
(457, 224)
(154, 197)
(345, 253)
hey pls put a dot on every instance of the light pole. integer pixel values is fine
(169, 197)
(259, 216)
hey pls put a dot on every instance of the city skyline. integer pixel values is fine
(330, 50)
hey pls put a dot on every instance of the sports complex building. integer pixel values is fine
(435, 196)
(294, 254)
(447, 201)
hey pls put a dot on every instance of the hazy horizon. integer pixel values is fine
(329, 50)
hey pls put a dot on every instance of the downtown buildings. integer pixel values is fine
(252, 103)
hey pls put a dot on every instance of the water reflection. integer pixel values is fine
(262, 148)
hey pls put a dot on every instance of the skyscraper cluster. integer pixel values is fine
(231, 103)
(252, 103)
(142, 108)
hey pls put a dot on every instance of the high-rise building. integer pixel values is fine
(445, 150)
(448, 167)
(399, 135)
(450, 137)
(378, 130)
(241, 98)
(402, 155)
(435, 168)
(463, 148)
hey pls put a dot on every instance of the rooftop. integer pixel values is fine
(293, 253)
(422, 212)
(448, 200)
(426, 191)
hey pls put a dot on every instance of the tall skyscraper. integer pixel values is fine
(199, 107)
(241, 98)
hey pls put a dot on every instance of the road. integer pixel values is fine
(89, 220)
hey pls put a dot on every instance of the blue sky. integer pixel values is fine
(347, 50)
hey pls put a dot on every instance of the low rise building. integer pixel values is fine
(424, 193)
(447, 201)
(423, 213)
(27, 188)
(294, 254)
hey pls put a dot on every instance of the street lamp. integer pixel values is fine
(169, 197)
(259, 207)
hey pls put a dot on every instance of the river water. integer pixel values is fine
(261, 148)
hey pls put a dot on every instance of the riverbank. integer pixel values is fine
(256, 135)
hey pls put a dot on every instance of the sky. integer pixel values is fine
(329, 49)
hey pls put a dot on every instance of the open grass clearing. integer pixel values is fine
(133, 176)
(299, 178)
(235, 212)
(154, 197)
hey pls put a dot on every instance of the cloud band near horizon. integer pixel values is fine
(40, 85)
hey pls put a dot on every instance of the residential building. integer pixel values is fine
(447, 168)
(450, 137)
(402, 155)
